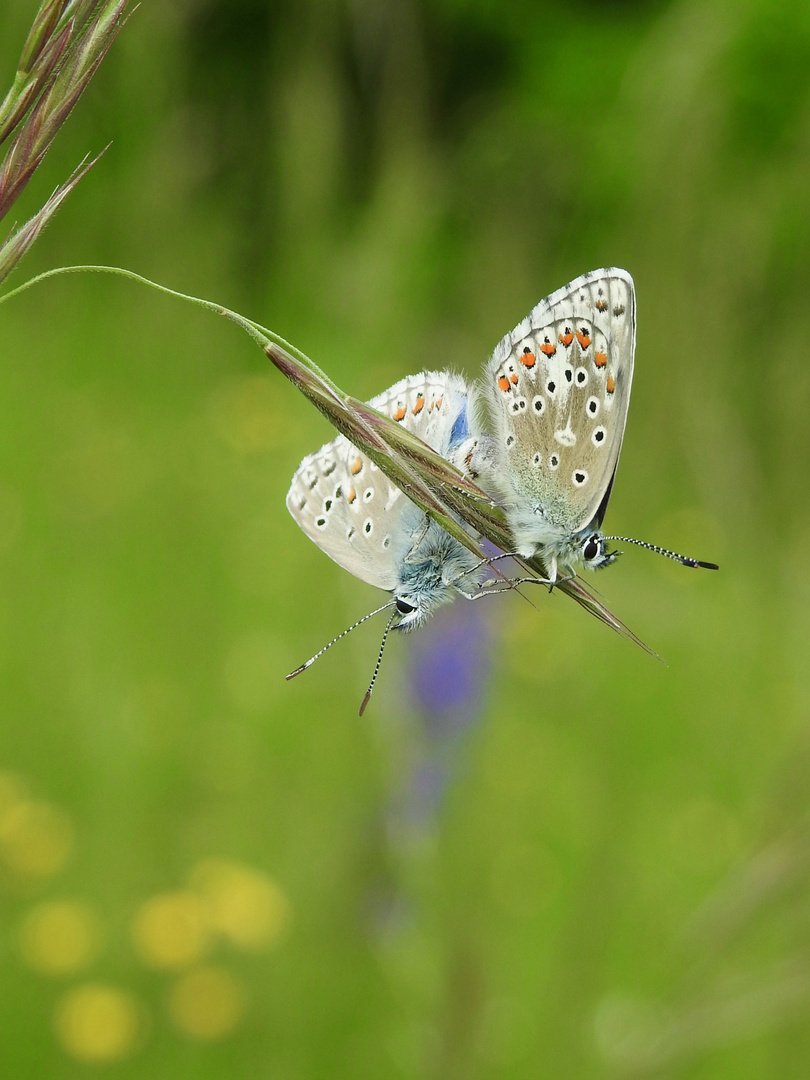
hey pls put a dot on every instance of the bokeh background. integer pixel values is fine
(540, 852)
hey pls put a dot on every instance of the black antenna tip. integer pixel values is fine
(366, 700)
(684, 560)
(297, 671)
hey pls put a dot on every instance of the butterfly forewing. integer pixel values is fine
(559, 387)
(349, 508)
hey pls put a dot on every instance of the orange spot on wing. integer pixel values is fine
(528, 359)
(601, 305)
(503, 382)
(439, 402)
(420, 404)
(513, 378)
(584, 339)
(600, 359)
(548, 348)
(356, 466)
(351, 496)
(611, 384)
(400, 413)
(566, 338)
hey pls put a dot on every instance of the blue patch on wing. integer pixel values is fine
(460, 428)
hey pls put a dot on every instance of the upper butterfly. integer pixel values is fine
(556, 390)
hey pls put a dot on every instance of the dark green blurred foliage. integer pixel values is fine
(615, 880)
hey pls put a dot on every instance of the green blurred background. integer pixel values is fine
(601, 870)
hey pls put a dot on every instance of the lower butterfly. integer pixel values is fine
(362, 521)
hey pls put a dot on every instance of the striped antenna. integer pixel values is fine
(348, 630)
(684, 560)
(367, 698)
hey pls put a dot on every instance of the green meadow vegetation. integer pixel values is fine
(586, 864)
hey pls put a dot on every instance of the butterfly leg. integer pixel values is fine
(495, 586)
(504, 582)
(412, 556)
(553, 570)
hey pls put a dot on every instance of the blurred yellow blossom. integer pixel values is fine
(35, 838)
(244, 904)
(97, 1023)
(207, 1003)
(171, 930)
(60, 937)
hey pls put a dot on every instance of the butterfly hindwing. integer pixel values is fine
(432, 405)
(349, 509)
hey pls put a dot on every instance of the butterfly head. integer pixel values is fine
(593, 552)
(432, 576)
(556, 543)
(410, 612)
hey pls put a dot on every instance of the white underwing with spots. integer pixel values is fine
(362, 521)
(554, 398)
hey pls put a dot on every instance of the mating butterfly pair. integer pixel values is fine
(555, 392)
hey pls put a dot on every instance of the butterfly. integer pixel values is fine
(555, 394)
(552, 408)
(362, 521)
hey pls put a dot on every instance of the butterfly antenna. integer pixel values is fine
(343, 634)
(367, 698)
(684, 560)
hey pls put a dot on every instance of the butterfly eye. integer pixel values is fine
(403, 607)
(590, 549)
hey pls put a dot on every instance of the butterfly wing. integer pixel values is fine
(349, 508)
(557, 390)
(432, 404)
